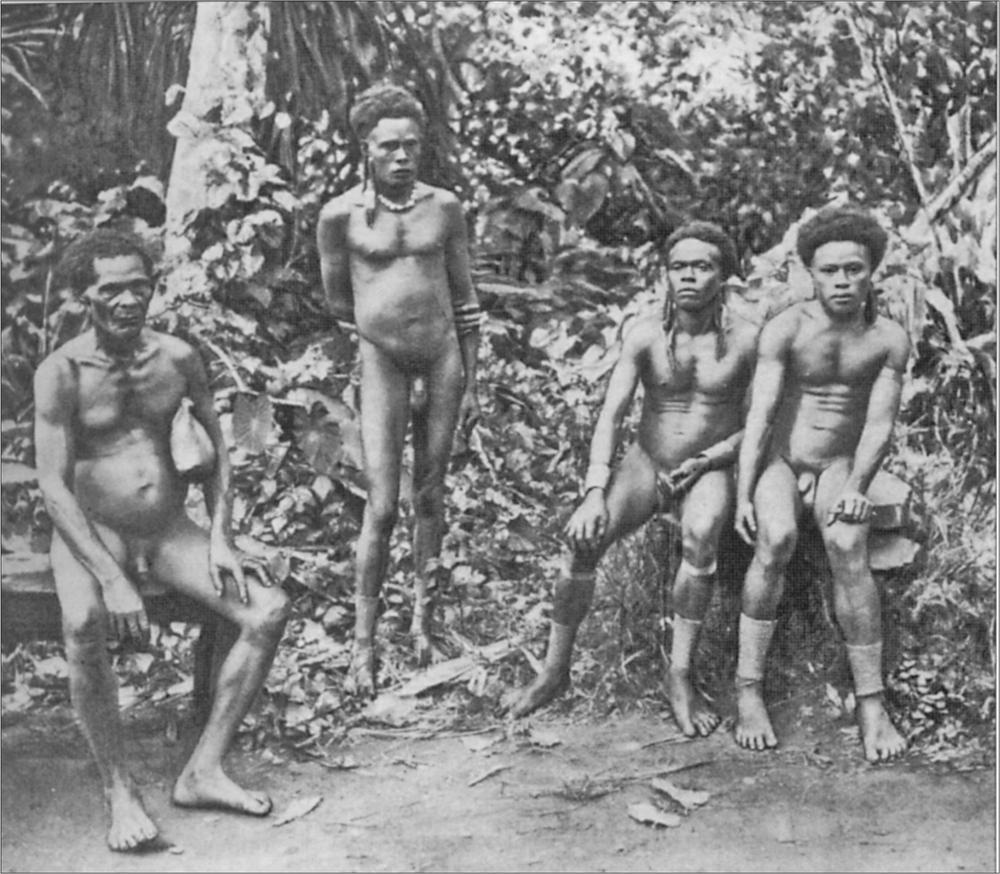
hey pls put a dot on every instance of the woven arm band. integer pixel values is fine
(468, 318)
(597, 477)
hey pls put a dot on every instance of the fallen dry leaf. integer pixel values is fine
(478, 743)
(687, 798)
(543, 739)
(649, 814)
(297, 809)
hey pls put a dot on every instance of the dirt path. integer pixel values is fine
(556, 800)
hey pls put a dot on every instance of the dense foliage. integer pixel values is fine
(578, 135)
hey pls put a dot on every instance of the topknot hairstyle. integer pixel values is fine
(707, 232)
(384, 101)
(842, 223)
(76, 266)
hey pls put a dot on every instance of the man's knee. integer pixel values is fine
(271, 609)
(776, 544)
(84, 625)
(699, 540)
(846, 547)
(428, 496)
(381, 515)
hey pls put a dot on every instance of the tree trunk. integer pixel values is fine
(225, 88)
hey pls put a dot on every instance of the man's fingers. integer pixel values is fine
(259, 567)
(241, 583)
(217, 582)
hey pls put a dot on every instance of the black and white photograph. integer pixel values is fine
(498, 435)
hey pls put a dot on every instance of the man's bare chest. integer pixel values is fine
(111, 398)
(420, 232)
(698, 365)
(822, 358)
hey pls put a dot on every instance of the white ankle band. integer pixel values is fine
(755, 638)
(692, 571)
(685, 637)
(866, 667)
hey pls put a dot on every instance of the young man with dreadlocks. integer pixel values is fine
(825, 396)
(695, 364)
(395, 265)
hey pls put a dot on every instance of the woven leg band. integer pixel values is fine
(755, 638)
(685, 638)
(866, 666)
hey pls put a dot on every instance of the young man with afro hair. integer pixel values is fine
(825, 396)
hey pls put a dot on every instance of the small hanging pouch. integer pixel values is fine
(190, 446)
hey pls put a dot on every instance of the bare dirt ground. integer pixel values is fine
(547, 794)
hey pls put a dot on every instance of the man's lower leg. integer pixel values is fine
(879, 737)
(571, 602)
(203, 783)
(94, 694)
(427, 535)
(753, 726)
(692, 593)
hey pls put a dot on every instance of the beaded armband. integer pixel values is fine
(468, 318)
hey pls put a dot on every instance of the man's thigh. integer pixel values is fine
(632, 496)
(385, 410)
(434, 426)
(777, 503)
(80, 599)
(708, 504)
(180, 561)
(843, 537)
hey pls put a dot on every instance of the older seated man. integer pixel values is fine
(105, 403)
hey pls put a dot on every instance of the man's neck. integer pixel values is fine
(696, 321)
(397, 193)
(117, 349)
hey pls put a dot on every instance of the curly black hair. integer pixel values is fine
(76, 266)
(842, 223)
(384, 101)
(707, 232)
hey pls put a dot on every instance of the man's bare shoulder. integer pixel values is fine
(174, 347)
(340, 206)
(785, 323)
(743, 329)
(892, 336)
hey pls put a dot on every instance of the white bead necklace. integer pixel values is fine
(392, 206)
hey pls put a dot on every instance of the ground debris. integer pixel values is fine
(297, 809)
(487, 774)
(686, 798)
(650, 814)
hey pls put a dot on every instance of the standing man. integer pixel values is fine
(695, 364)
(825, 396)
(395, 263)
(104, 404)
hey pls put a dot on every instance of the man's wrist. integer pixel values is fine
(597, 477)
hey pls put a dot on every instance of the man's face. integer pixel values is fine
(119, 296)
(841, 273)
(694, 274)
(394, 152)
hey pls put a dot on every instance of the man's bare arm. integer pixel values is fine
(883, 405)
(617, 399)
(55, 459)
(463, 294)
(334, 261)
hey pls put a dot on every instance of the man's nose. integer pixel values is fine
(128, 298)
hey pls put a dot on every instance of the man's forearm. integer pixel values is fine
(723, 453)
(872, 447)
(81, 537)
(469, 345)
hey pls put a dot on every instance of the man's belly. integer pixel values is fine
(405, 309)
(134, 490)
(812, 430)
(672, 436)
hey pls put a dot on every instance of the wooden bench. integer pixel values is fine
(29, 610)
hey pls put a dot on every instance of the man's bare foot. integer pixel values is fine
(879, 737)
(215, 790)
(753, 725)
(692, 712)
(361, 673)
(547, 685)
(130, 827)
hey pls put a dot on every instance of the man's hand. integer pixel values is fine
(225, 561)
(587, 525)
(468, 410)
(686, 474)
(746, 521)
(126, 611)
(851, 506)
